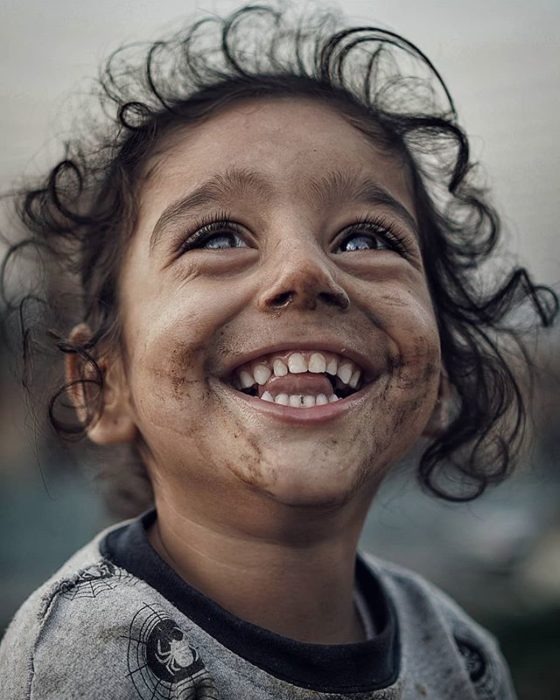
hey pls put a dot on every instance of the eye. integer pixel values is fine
(217, 235)
(359, 241)
(369, 235)
(220, 241)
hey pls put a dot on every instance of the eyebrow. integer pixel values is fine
(234, 182)
(337, 185)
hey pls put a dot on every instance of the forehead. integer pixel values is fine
(286, 142)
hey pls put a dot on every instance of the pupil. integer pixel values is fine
(221, 241)
(359, 243)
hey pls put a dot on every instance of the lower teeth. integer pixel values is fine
(299, 400)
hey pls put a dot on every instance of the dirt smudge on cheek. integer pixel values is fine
(405, 413)
(369, 445)
(430, 370)
(416, 365)
(184, 369)
(247, 462)
(376, 320)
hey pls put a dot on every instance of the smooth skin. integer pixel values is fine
(261, 514)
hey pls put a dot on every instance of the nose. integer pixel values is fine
(302, 282)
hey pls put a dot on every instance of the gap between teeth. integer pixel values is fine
(299, 400)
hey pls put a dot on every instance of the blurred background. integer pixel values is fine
(500, 556)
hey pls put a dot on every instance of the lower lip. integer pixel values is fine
(304, 416)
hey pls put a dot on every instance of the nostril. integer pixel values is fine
(339, 299)
(305, 295)
(281, 300)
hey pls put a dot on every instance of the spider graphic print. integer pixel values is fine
(96, 579)
(161, 662)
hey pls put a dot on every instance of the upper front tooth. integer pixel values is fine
(246, 379)
(262, 374)
(297, 363)
(345, 372)
(280, 369)
(332, 366)
(317, 363)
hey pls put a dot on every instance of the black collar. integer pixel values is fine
(348, 668)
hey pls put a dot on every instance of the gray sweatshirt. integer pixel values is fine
(116, 623)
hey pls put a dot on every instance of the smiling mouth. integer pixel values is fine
(299, 379)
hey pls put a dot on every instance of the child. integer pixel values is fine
(277, 245)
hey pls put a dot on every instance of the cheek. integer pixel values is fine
(406, 316)
(407, 320)
(417, 358)
(171, 334)
(167, 372)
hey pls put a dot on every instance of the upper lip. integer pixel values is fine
(339, 347)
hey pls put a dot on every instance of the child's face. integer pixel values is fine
(193, 318)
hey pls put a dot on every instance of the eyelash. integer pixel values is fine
(206, 227)
(220, 222)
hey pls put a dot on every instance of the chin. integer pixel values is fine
(313, 482)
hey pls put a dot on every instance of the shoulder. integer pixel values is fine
(66, 623)
(100, 632)
(425, 612)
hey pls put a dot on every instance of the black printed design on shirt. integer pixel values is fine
(96, 579)
(480, 668)
(161, 662)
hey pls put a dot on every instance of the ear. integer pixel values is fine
(439, 419)
(114, 423)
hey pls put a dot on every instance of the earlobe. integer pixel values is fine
(439, 420)
(113, 423)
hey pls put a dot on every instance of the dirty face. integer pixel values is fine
(281, 341)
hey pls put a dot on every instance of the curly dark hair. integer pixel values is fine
(79, 219)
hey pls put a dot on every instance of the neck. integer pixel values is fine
(301, 588)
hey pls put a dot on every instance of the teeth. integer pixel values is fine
(261, 374)
(317, 363)
(280, 369)
(299, 400)
(246, 379)
(297, 363)
(345, 372)
(354, 379)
